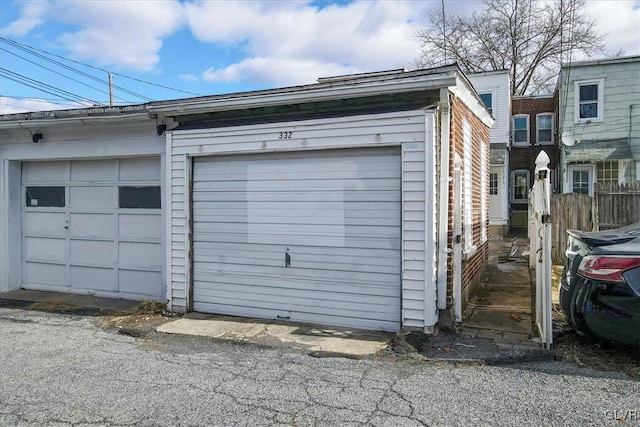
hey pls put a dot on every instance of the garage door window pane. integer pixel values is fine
(147, 197)
(45, 197)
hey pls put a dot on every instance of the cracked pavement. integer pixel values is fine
(62, 370)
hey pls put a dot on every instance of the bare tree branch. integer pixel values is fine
(530, 38)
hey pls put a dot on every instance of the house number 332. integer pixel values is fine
(285, 135)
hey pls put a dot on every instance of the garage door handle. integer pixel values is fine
(287, 259)
(66, 227)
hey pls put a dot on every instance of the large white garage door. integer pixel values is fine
(93, 227)
(310, 237)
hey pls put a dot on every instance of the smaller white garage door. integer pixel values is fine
(93, 227)
(311, 237)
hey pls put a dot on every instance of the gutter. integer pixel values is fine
(443, 202)
(86, 120)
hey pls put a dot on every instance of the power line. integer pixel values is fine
(60, 74)
(30, 50)
(37, 84)
(100, 69)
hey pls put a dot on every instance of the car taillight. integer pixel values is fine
(606, 268)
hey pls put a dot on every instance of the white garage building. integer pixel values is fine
(318, 203)
(81, 207)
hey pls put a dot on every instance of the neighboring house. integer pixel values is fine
(600, 123)
(329, 203)
(533, 129)
(494, 88)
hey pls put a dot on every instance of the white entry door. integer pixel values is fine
(93, 226)
(310, 237)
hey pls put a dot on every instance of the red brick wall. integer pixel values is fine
(472, 268)
(524, 157)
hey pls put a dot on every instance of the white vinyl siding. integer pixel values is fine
(497, 84)
(403, 129)
(87, 243)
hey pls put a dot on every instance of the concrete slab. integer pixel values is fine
(500, 320)
(314, 338)
(509, 297)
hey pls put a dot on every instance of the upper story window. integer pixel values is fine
(487, 99)
(521, 130)
(589, 96)
(544, 128)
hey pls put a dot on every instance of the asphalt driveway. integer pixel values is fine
(65, 370)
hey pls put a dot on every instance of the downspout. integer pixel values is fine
(443, 202)
(457, 241)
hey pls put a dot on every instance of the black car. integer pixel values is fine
(600, 285)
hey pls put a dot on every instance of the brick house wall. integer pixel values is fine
(472, 268)
(523, 158)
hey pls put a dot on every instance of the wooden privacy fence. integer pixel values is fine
(616, 205)
(568, 211)
(613, 206)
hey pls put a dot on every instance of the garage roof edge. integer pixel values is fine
(345, 88)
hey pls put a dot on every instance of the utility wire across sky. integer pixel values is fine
(66, 82)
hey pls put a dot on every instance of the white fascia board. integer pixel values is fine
(85, 120)
(324, 93)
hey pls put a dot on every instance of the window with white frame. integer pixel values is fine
(544, 128)
(521, 129)
(487, 100)
(493, 183)
(520, 186)
(589, 97)
(467, 184)
(607, 172)
(581, 180)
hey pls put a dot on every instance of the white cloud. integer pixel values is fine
(620, 19)
(121, 33)
(295, 42)
(269, 70)
(9, 105)
(128, 34)
(188, 77)
(31, 15)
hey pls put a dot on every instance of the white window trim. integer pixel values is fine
(582, 167)
(494, 110)
(576, 100)
(538, 142)
(513, 131)
(513, 186)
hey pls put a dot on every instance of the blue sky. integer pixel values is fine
(211, 47)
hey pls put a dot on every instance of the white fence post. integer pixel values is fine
(541, 234)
